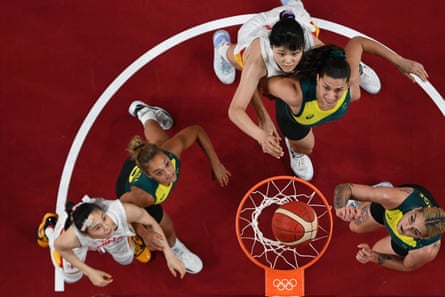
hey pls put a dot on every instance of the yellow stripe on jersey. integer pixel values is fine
(393, 217)
(162, 193)
(312, 114)
(135, 173)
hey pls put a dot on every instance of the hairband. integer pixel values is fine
(337, 54)
(87, 223)
(76, 206)
(288, 14)
(139, 146)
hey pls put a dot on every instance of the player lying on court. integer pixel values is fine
(149, 176)
(409, 213)
(327, 80)
(103, 226)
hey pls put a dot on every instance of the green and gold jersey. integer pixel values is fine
(310, 114)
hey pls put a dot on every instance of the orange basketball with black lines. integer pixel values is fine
(294, 223)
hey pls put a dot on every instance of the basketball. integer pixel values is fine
(294, 223)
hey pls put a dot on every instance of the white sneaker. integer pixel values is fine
(144, 111)
(223, 69)
(354, 203)
(369, 80)
(300, 163)
(384, 184)
(192, 262)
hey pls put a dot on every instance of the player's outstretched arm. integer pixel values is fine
(65, 244)
(188, 136)
(136, 214)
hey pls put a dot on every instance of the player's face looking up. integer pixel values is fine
(161, 169)
(286, 59)
(412, 224)
(100, 225)
(329, 90)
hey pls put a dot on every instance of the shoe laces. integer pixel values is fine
(182, 253)
(225, 66)
(300, 160)
(184, 256)
(160, 115)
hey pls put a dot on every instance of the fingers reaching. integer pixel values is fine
(271, 145)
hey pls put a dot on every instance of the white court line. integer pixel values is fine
(144, 60)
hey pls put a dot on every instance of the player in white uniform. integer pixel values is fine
(260, 27)
(271, 43)
(103, 226)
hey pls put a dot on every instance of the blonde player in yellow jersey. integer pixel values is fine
(413, 219)
(149, 176)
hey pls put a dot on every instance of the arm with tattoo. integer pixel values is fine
(395, 262)
(366, 254)
(342, 194)
(415, 258)
(381, 258)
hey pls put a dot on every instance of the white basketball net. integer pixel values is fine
(270, 251)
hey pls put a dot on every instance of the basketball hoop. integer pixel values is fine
(283, 265)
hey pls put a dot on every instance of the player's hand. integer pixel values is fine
(269, 128)
(175, 265)
(408, 67)
(366, 254)
(221, 174)
(348, 213)
(99, 278)
(153, 240)
(270, 144)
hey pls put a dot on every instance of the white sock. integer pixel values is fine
(222, 50)
(145, 115)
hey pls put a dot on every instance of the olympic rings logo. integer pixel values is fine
(285, 284)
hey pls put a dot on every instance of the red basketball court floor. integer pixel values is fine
(59, 57)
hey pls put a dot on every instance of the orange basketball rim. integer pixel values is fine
(284, 266)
